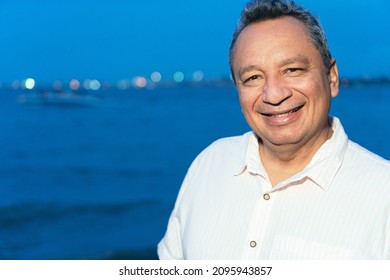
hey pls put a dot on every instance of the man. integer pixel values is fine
(295, 187)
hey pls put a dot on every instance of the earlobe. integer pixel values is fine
(334, 78)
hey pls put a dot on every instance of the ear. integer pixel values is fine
(334, 79)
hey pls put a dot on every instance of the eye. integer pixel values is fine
(294, 70)
(252, 80)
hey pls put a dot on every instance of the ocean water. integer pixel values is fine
(99, 182)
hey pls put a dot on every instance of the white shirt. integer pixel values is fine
(338, 207)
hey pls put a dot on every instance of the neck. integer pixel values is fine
(283, 161)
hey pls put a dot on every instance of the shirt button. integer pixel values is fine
(266, 196)
(253, 244)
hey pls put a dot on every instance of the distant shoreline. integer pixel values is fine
(122, 85)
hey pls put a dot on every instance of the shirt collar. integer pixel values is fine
(321, 170)
(250, 161)
(327, 161)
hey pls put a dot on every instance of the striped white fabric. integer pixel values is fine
(338, 207)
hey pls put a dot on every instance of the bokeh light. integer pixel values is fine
(140, 82)
(74, 84)
(155, 77)
(123, 84)
(29, 83)
(178, 77)
(94, 85)
(198, 76)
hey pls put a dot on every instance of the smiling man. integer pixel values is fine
(285, 92)
(295, 187)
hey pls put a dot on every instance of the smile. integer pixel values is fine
(282, 114)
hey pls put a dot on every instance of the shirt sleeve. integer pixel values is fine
(170, 247)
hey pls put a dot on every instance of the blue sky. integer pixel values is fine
(119, 39)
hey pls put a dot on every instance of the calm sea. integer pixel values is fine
(99, 182)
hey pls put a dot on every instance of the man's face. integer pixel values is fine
(283, 86)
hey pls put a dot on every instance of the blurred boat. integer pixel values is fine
(65, 99)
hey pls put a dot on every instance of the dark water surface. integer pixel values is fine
(99, 182)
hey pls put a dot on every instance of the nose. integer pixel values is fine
(275, 91)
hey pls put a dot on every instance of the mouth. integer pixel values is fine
(284, 113)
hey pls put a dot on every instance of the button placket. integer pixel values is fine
(258, 226)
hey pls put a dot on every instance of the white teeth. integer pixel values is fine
(285, 114)
(282, 115)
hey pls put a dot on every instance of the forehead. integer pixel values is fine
(285, 34)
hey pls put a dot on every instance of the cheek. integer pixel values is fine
(314, 90)
(304, 86)
(248, 104)
(247, 100)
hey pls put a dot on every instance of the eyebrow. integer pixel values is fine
(246, 69)
(296, 59)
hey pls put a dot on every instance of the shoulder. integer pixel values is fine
(366, 159)
(233, 142)
(366, 169)
(226, 154)
(215, 165)
(227, 148)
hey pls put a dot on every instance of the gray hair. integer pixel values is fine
(261, 10)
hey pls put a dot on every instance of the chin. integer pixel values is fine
(279, 140)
